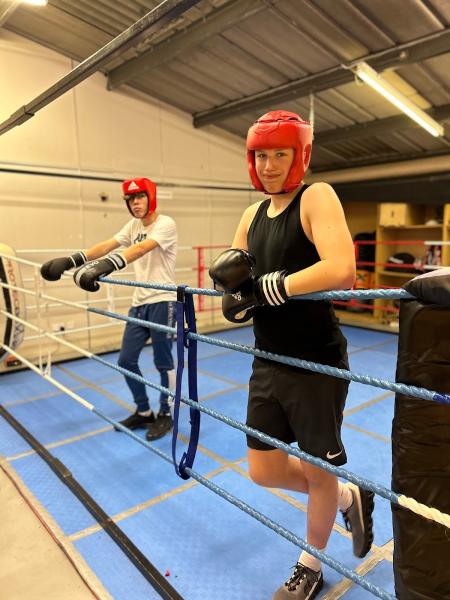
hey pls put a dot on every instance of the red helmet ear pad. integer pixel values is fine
(141, 184)
(281, 129)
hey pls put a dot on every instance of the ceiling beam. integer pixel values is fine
(150, 23)
(7, 7)
(381, 159)
(214, 23)
(426, 189)
(411, 52)
(371, 128)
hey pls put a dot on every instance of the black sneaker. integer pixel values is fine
(159, 428)
(358, 520)
(137, 421)
(304, 584)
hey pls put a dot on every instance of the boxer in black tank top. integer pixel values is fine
(294, 243)
(307, 330)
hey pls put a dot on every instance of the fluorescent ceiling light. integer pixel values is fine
(372, 78)
(35, 2)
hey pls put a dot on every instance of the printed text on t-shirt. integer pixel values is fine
(140, 238)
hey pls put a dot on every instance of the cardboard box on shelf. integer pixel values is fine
(393, 214)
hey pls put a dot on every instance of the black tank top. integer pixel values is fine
(305, 329)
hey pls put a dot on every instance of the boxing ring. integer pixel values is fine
(174, 534)
(123, 511)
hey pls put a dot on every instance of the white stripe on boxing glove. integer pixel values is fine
(79, 272)
(270, 288)
(118, 260)
(78, 259)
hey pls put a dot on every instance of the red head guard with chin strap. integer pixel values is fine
(281, 129)
(131, 187)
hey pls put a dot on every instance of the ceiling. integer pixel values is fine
(228, 61)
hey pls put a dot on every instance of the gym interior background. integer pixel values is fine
(176, 107)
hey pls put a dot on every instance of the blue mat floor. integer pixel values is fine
(206, 547)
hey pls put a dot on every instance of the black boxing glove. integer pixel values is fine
(53, 269)
(240, 306)
(86, 276)
(270, 289)
(234, 272)
(231, 269)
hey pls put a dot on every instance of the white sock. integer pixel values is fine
(145, 413)
(345, 496)
(310, 561)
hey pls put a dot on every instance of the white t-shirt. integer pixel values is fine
(156, 266)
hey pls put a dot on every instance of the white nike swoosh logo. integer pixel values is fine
(333, 455)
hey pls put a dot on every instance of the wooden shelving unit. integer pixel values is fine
(398, 238)
(398, 225)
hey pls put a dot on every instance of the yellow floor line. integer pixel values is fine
(143, 505)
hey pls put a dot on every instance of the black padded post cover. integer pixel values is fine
(421, 453)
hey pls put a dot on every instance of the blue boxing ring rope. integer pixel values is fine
(338, 471)
(401, 388)
(301, 543)
(188, 335)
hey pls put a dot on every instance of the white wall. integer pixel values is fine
(90, 132)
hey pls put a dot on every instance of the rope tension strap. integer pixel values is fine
(186, 313)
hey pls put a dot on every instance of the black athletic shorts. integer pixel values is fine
(292, 404)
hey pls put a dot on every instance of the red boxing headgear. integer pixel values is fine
(131, 187)
(281, 129)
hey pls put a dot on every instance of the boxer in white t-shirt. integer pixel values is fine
(149, 240)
